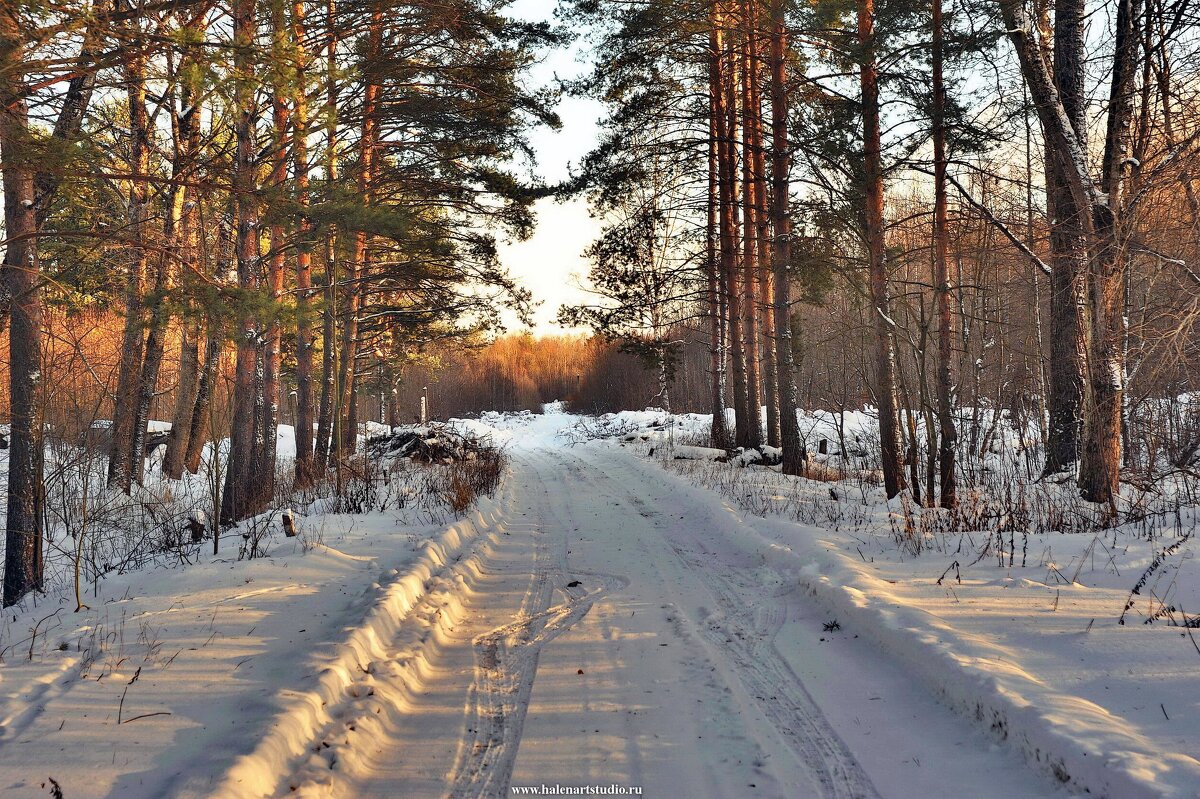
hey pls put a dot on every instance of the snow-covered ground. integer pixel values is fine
(1077, 649)
(614, 618)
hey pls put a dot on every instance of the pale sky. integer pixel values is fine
(550, 264)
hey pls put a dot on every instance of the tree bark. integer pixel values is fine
(947, 432)
(191, 332)
(26, 495)
(1099, 207)
(125, 402)
(720, 438)
(730, 226)
(198, 428)
(359, 266)
(238, 496)
(304, 338)
(751, 187)
(781, 224)
(327, 412)
(891, 457)
(1100, 460)
(272, 354)
(178, 241)
(185, 401)
(1068, 250)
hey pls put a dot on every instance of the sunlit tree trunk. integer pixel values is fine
(327, 413)
(23, 533)
(752, 207)
(885, 350)
(237, 500)
(268, 420)
(125, 402)
(1100, 459)
(304, 335)
(359, 266)
(179, 240)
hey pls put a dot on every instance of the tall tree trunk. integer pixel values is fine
(1068, 249)
(359, 267)
(327, 411)
(948, 433)
(1099, 207)
(769, 370)
(188, 143)
(178, 243)
(237, 499)
(730, 236)
(199, 417)
(885, 351)
(198, 427)
(125, 402)
(720, 431)
(326, 408)
(304, 337)
(185, 400)
(1100, 459)
(23, 534)
(781, 255)
(268, 420)
(752, 207)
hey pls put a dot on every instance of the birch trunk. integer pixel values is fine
(947, 432)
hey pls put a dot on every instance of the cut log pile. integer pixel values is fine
(429, 443)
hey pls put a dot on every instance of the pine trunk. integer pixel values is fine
(188, 128)
(781, 251)
(185, 400)
(237, 499)
(272, 354)
(23, 526)
(125, 401)
(199, 425)
(327, 412)
(720, 438)
(750, 202)
(891, 457)
(177, 235)
(304, 337)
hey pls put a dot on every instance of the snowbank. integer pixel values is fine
(211, 678)
(305, 714)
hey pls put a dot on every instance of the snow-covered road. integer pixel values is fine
(600, 622)
(616, 629)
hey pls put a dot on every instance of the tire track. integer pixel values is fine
(506, 665)
(507, 658)
(745, 626)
